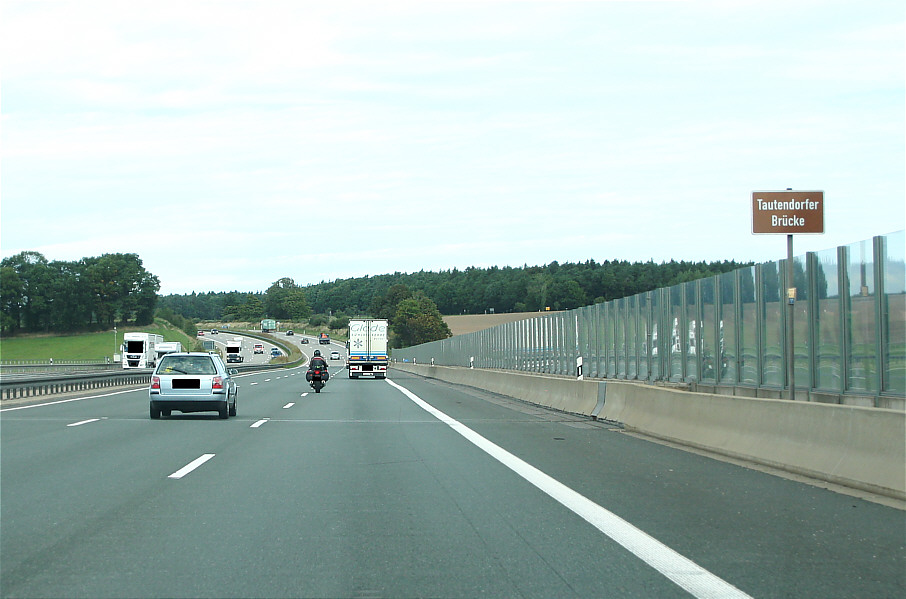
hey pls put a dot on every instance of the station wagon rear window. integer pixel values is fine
(186, 365)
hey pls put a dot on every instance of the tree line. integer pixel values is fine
(470, 291)
(38, 295)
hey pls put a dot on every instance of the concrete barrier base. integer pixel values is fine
(857, 447)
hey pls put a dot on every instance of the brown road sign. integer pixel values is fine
(788, 212)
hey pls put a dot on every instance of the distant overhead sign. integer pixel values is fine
(787, 212)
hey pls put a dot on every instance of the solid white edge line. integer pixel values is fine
(191, 466)
(259, 423)
(681, 570)
(83, 422)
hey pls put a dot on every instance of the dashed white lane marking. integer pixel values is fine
(681, 570)
(304, 394)
(83, 422)
(289, 405)
(259, 423)
(191, 466)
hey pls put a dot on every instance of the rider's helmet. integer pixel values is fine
(317, 352)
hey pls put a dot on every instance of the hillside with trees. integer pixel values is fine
(37, 295)
(470, 291)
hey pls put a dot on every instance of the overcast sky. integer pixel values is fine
(230, 144)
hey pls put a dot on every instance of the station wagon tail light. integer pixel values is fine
(217, 383)
(155, 382)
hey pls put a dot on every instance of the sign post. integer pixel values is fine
(788, 212)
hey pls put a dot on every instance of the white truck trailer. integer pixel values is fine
(234, 350)
(167, 347)
(140, 349)
(366, 351)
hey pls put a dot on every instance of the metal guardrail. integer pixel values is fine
(21, 366)
(8, 363)
(18, 385)
(33, 378)
(34, 385)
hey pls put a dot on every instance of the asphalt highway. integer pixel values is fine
(406, 488)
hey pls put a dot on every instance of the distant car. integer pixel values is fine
(275, 353)
(334, 355)
(259, 348)
(192, 382)
(289, 333)
(304, 340)
(215, 332)
(201, 333)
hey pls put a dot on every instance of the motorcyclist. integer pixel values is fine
(317, 362)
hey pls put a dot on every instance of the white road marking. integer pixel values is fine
(254, 383)
(83, 422)
(681, 570)
(304, 394)
(259, 423)
(266, 380)
(289, 405)
(191, 466)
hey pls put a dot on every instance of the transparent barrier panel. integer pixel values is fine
(632, 338)
(644, 336)
(748, 328)
(828, 323)
(693, 330)
(802, 317)
(894, 321)
(861, 322)
(708, 329)
(727, 328)
(773, 354)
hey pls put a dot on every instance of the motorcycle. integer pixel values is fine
(317, 379)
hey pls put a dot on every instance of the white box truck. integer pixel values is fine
(234, 350)
(140, 349)
(366, 350)
(167, 347)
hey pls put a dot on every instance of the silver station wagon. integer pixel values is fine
(193, 382)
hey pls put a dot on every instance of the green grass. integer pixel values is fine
(87, 346)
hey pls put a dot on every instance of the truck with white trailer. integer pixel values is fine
(234, 350)
(140, 349)
(366, 350)
(167, 347)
